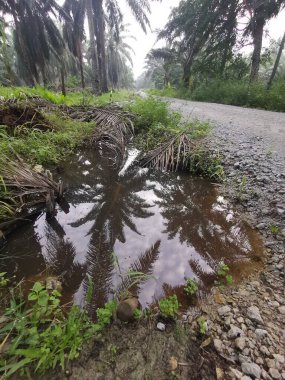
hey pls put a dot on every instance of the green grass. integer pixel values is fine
(237, 93)
(72, 98)
(49, 147)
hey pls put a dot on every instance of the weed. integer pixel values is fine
(202, 323)
(242, 187)
(41, 335)
(191, 287)
(274, 229)
(3, 280)
(223, 273)
(138, 314)
(169, 306)
(105, 315)
(269, 152)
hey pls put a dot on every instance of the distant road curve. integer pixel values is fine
(237, 121)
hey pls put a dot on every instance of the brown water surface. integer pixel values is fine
(170, 227)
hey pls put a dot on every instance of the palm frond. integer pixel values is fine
(172, 155)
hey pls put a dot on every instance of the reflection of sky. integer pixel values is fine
(203, 227)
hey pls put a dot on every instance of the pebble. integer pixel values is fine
(281, 310)
(224, 310)
(218, 344)
(251, 369)
(253, 313)
(274, 373)
(240, 343)
(260, 333)
(160, 326)
(235, 332)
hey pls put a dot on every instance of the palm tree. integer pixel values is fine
(260, 12)
(118, 54)
(96, 15)
(73, 31)
(36, 35)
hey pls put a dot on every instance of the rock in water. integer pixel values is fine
(126, 308)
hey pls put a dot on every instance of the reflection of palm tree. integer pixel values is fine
(187, 207)
(60, 255)
(143, 265)
(116, 201)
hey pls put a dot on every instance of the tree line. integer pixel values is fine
(204, 39)
(41, 42)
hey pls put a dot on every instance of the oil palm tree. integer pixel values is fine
(36, 36)
(118, 54)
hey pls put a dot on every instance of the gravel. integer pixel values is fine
(249, 328)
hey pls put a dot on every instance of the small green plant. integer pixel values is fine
(274, 229)
(269, 152)
(41, 335)
(242, 187)
(137, 314)
(223, 273)
(202, 323)
(191, 287)
(3, 280)
(169, 306)
(105, 314)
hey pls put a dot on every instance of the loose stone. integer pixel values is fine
(253, 313)
(251, 369)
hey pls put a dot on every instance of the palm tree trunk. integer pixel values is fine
(94, 62)
(63, 89)
(100, 38)
(257, 42)
(276, 64)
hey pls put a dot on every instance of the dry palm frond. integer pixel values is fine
(172, 155)
(114, 125)
(25, 186)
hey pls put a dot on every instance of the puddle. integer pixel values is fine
(168, 226)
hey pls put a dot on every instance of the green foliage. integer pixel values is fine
(71, 99)
(105, 314)
(169, 306)
(242, 187)
(235, 92)
(202, 323)
(208, 164)
(47, 147)
(223, 273)
(137, 314)
(3, 280)
(274, 229)
(42, 336)
(191, 287)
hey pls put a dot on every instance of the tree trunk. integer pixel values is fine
(257, 43)
(100, 38)
(63, 89)
(276, 64)
(94, 62)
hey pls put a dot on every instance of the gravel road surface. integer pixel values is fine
(231, 121)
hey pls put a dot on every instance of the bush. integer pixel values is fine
(238, 93)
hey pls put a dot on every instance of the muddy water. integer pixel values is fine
(169, 227)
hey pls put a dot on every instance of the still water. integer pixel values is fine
(168, 226)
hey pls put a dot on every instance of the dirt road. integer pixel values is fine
(238, 122)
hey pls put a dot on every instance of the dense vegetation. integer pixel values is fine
(203, 57)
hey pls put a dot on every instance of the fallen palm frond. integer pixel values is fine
(20, 115)
(25, 187)
(114, 125)
(173, 155)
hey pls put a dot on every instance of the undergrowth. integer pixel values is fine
(72, 98)
(39, 335)
(238, 93)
